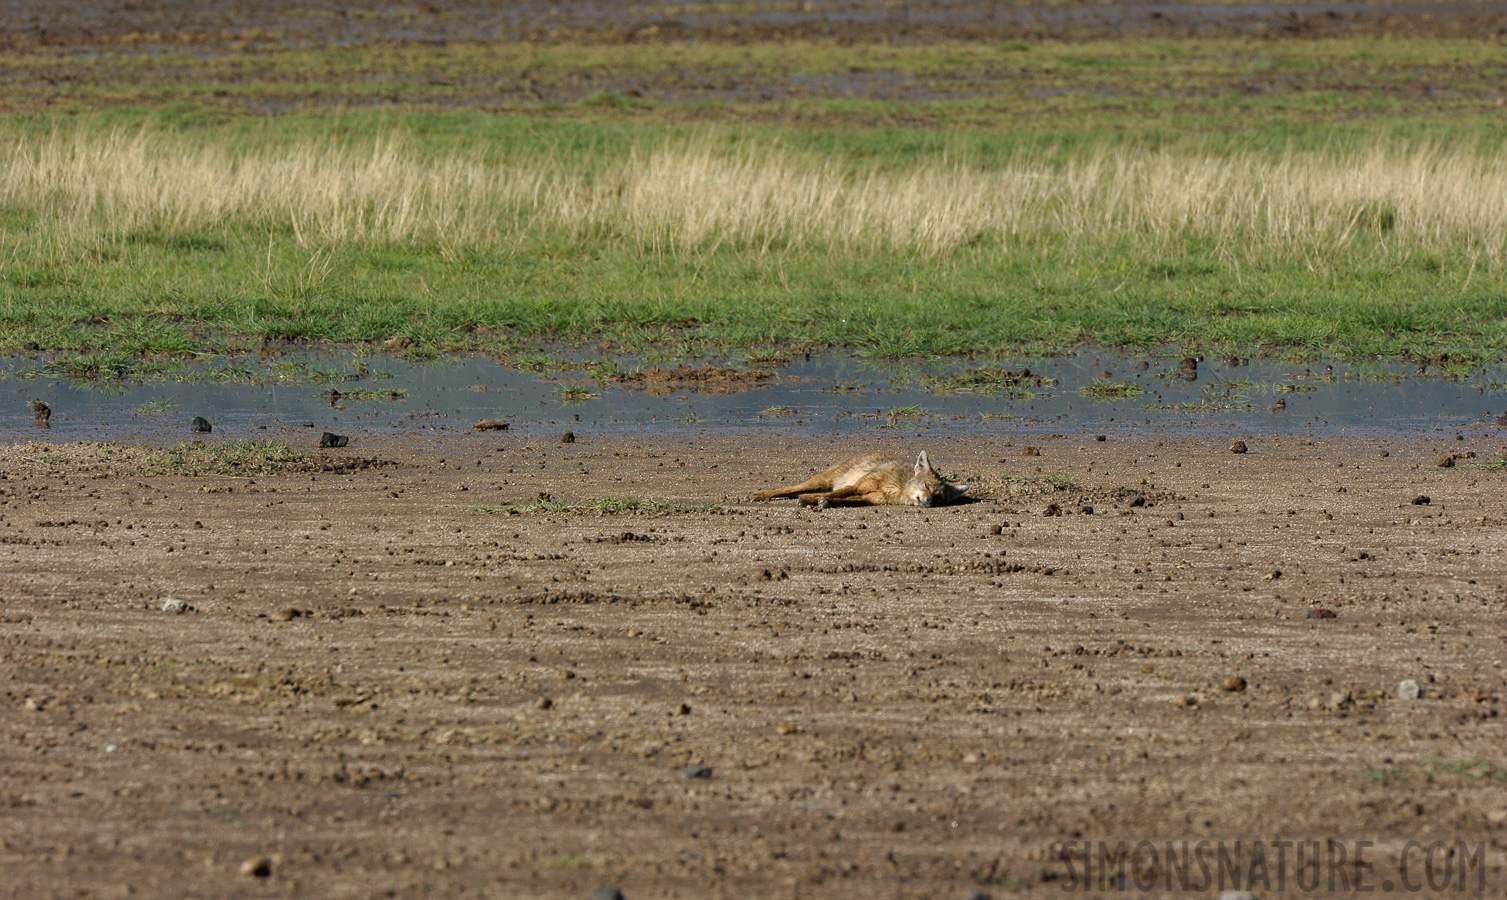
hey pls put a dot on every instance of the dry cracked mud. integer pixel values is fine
(402, 673)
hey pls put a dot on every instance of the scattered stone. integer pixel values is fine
(564, 674)
(257, 867)
(788, 728)
(1280, 405)
(682, 709)
(1497, 816)
(285, 615)
(1137, 500)
(1409, 690)
(635, 632)
(1052, 510)
(698, 772)
(568, 437)
(1185, 702)
(1232, 361)
(328, 440)
(1446, 462)
(1238, 447)
(1030, 451)
(172, 605)
(1101, 438)
(995, 529)
(201, 425)
(1086, 510)
(1234, 684)
(43, 412)
(980, 895)
(1383, 454)
(1273, 575)
(35, 705)
(491, 425)
(1421, 500)
(1317, 613)
(543, 703)
(607, 893)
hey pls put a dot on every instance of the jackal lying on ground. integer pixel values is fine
(873, 480)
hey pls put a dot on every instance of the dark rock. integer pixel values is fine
(32, 347)
(1234, 684)
(201, 425)
(568, 437)
(1030, 451)
(1137, 500)
(1421, 500)
(491, 425)
(1052, 510)
(1238, 447)
(328, 440)
(1446, 462)
(607, 893)
(1317, 613)
(1101, 438)
(996, 529)
(698, 772)
(43, 412)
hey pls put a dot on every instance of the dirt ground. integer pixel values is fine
(30, 24)
(397, 679)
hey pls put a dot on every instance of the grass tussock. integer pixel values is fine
(233, 458)
(696, 196)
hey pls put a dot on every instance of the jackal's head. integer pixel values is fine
(927, 488)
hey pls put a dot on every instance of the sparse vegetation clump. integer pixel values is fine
(1111, 390)
(251, 457)
(594, 506)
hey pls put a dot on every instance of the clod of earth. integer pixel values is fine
(491, 425)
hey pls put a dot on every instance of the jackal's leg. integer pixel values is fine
(828, 498)
(821, 482)
(857, 498)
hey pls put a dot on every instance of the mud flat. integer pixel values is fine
(482, 664)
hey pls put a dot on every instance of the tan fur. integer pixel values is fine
(873, 480)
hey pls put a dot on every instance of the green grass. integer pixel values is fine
(1111, 390)
(140, 296)
(1478, 772)
(1493, 465)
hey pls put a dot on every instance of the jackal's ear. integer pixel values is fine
(922, 465)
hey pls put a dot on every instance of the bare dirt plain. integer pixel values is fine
(894, 702)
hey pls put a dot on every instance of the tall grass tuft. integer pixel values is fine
(693, 197)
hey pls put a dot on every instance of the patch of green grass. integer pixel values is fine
(154, 408)
(368, 394)
(576, 394)
(1478, 772)
(986, 381)
(1493, 465)
(234, 458)
(1196, 407)
(1111, 390)
(689, 419)
(597, 506)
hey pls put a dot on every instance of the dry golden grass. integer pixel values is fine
(689, 197)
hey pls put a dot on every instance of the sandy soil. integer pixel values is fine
(388, 685)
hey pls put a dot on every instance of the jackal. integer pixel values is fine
(873, 480)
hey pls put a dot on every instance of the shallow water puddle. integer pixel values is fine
(829, 393)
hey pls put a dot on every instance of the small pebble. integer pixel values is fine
(568, 437)
(683, 709)
(607, 893)
(543, 703)
(698, 771)
(564, 674)
(257, 867)
(284, 615)
(1030, 451)
(171, 605)
(1409, 690)
(201, 425)
(788, 728)
(1234, 684)
(1446, 462)
(1317, 613)
(1421, 500)
(328, 440)
(1101, 437)
(995, 529)
(1052, 510)
(1238, 447)
(491, 425)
